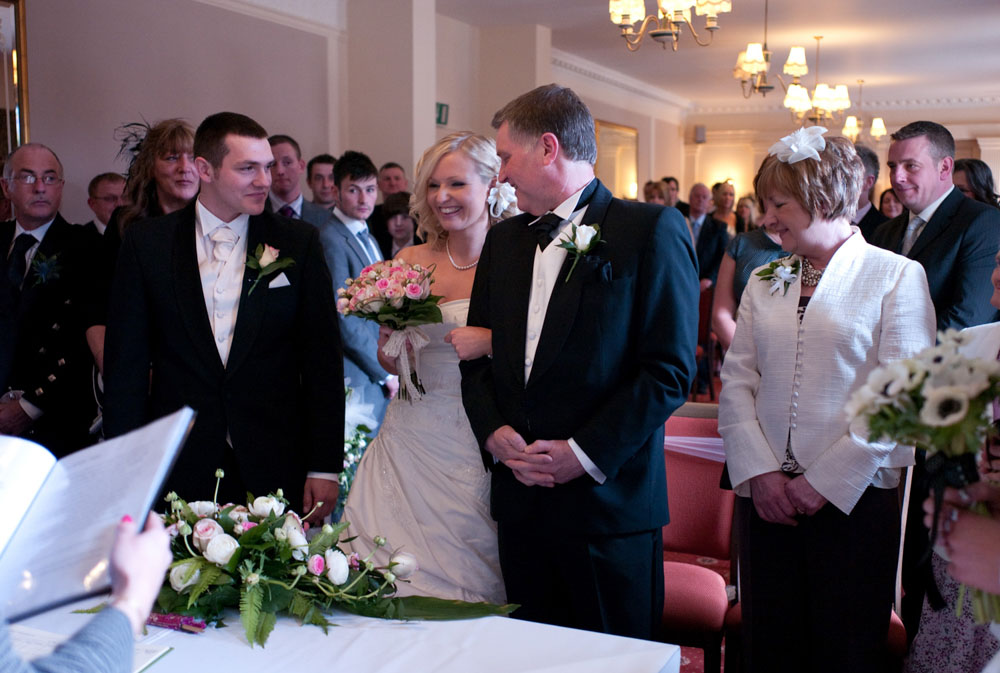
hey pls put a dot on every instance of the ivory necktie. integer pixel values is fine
(911, 235)
(223, 241)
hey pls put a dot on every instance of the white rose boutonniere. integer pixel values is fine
(265, 261)
(579, 241)
(780, 272)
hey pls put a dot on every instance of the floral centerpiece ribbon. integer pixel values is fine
(398, 295)
(938, 401)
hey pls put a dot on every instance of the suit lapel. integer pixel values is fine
(560, 316)
(188, 289)
(519, 263)
(937, 225)
(50, 245)
(251, 311)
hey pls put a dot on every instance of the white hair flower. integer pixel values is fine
(500, 198)
(805, 143)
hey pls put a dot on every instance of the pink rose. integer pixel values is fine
(247, 525)
(343, 305)
(412, 274)
(204, 531)
(365, 271)
(354, 560)
(316, 564)
(269, 256)
(413, 291)
(382, 284)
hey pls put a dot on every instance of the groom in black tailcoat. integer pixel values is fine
(256, 353)
(587, 365)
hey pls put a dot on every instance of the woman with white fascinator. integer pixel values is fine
(818, 555)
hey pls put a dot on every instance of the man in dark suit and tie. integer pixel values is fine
(868, 217)
(286, 197)
(674, 195)
(349, 247)
(255, 353)
(46, 306)
(955, 239)
(586, 368)
(709, 234)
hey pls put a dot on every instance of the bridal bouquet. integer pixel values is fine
(257, 558)
(938, 401)
(398, 295)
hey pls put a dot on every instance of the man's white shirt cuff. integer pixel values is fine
(588, 464)
(329, 476)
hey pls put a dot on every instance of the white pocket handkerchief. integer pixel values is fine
(281, 280)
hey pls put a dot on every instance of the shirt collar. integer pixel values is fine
(37, 232)
(927, 213)
(567, 209)
(354, 226)
(698, 221)
(295, 203)
(206, 222)
(862, 211)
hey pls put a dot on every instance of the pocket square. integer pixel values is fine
(281, 280)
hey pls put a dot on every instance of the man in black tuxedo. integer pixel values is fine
(586, 368)
(868, 217)
(46, 305)
(255, 353)
(955, 239)
(286, 197)
(709, 234)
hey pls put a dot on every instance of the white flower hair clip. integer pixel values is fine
(805, 143)
(500, 198)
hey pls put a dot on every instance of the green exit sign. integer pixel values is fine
(442, 114)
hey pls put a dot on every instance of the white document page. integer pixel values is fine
(24, 466)
(60, 551)
(32, 643)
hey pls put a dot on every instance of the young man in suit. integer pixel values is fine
(319, 176)
(255, 353)
(586, 368)
(955, 239)
(286, 197)
(47, 299)
(868, 217)
(674, 195)
(349, 247)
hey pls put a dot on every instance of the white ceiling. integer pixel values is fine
(906, 51)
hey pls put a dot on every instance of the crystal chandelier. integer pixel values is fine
(666, 25)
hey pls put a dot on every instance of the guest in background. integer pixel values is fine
(709, 235)
(747, 252)
(400, 223)
(105, 645)
(319, 177)
(821, 545)
(104, 194)
(286, 197)
(674, 195)
(868, 216)
(724, 197)
(391, 180)
(654, 192)
(889, 205)
(975, 179)
(746, 214)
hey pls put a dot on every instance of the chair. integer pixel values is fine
(695, 602)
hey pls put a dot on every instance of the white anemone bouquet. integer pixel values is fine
(938, 401)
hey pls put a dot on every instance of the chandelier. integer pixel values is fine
(666, 25)
(853, 129)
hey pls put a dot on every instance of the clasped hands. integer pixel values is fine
(544, 462)
(779, 498)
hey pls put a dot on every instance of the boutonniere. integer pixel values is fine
(580, 241)
(785, 270)
(265, 261)
(46, 268)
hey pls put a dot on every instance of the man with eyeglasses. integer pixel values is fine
(104, 194)
(46, 305)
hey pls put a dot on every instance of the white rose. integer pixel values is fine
(239, 514)
(292, 522)
(221, 549)
(297, 541)
(179, 579)
(202, 508)
(265, 504)
(268, 256)
(337, 569)
(403, 564)
(204, 532)
(584, 235)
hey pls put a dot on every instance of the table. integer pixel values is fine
(381, 646)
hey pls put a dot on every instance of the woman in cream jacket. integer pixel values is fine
(818, 555)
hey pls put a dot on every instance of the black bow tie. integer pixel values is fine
(544, 228)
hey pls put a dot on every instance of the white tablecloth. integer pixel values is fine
(378, 646)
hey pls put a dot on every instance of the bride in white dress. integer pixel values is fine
(422, 484)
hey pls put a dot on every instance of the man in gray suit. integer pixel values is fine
(286, 192)
(349, 247)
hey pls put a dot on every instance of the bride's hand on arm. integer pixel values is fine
(471, 343)
(388, 363)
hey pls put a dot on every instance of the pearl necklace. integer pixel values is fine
(451, 259)
(810, 274)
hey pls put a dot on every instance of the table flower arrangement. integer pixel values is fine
(258, 558)
(398, 295)
(938, 401)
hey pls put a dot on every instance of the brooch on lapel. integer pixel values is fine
(780, 271)
(580, 241)
(265, 261)
(46, 269)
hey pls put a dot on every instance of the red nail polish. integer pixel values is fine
(126, 519)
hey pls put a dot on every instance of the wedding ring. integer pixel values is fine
(800, 510)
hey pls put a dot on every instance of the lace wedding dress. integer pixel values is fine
(422, 485)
